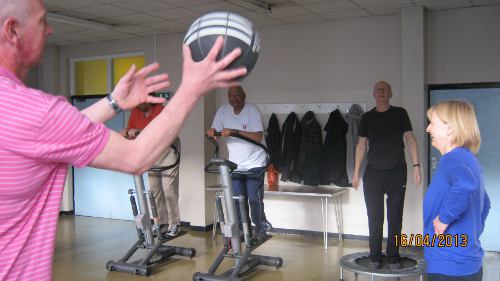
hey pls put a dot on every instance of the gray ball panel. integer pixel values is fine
(201, 47)
(202, 36)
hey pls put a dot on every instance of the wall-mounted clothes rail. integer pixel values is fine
(301, 108)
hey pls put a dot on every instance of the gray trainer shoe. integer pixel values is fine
(173, 230)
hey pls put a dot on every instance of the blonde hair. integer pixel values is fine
(461, 117)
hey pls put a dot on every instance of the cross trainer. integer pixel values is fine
(148, 230)
(232, 236)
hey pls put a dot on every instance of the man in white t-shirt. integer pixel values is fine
(245, 119)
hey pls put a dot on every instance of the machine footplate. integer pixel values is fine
(164, 239)
(257, 243)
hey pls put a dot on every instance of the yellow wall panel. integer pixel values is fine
(91, 77)
(122, 65)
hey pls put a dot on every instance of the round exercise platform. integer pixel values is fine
(411, 265)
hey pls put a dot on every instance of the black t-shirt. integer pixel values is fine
(384, 131)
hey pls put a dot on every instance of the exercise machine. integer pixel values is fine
(227, 217)
(148, 230)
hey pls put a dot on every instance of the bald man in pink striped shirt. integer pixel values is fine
(40, 134)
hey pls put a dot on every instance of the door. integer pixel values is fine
(486, 100)
(98, 192)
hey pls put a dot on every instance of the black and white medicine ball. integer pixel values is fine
(237, 32)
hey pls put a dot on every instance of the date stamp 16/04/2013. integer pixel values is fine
(426, 240)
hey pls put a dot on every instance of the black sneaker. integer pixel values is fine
(258, 236)
(393, 262)
(173, 230)
(267, 226)
(375, 261)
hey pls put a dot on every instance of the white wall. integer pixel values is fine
(50, 79)
(329, 62)
(326, 62)
(464, 45)
(335, 61)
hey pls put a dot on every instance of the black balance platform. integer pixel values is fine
(411, 265)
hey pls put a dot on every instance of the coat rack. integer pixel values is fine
(301, 108)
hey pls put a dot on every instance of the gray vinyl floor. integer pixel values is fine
(85, 244)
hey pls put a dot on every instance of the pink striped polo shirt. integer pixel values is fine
(40, 134)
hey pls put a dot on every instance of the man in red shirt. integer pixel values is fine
(165, 185)
(140, 117)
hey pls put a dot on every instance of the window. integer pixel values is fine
(99, 75)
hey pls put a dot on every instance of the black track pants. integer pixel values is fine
(376, 184)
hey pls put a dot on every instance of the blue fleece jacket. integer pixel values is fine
(457, 195)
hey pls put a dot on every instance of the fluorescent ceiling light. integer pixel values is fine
(53, 17)
(254, 5)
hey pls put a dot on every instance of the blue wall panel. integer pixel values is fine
(486, 102)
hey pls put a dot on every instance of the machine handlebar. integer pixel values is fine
(168, 167)
(216, 161)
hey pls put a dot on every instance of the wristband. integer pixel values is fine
(112, 102)
(416, 165)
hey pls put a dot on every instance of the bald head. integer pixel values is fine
(18, 9)
(382, 92)
(383, 84)
(236, 89)
(236, 96)
(23, 32)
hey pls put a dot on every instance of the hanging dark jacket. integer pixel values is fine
(333, 161)
(291, 134)
(307, 167)
(273, 140)
(353, 118)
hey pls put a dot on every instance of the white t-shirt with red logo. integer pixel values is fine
(245, 154)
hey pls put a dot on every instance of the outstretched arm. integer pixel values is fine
(198, 78)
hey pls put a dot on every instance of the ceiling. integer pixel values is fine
(138, 18)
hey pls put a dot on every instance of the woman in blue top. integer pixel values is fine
(456, 204)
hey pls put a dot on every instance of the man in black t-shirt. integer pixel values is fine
(384, 128)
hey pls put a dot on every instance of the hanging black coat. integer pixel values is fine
(308, 164)
(291, 134)
(333, 161)
(353, 118)
(273, 140)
